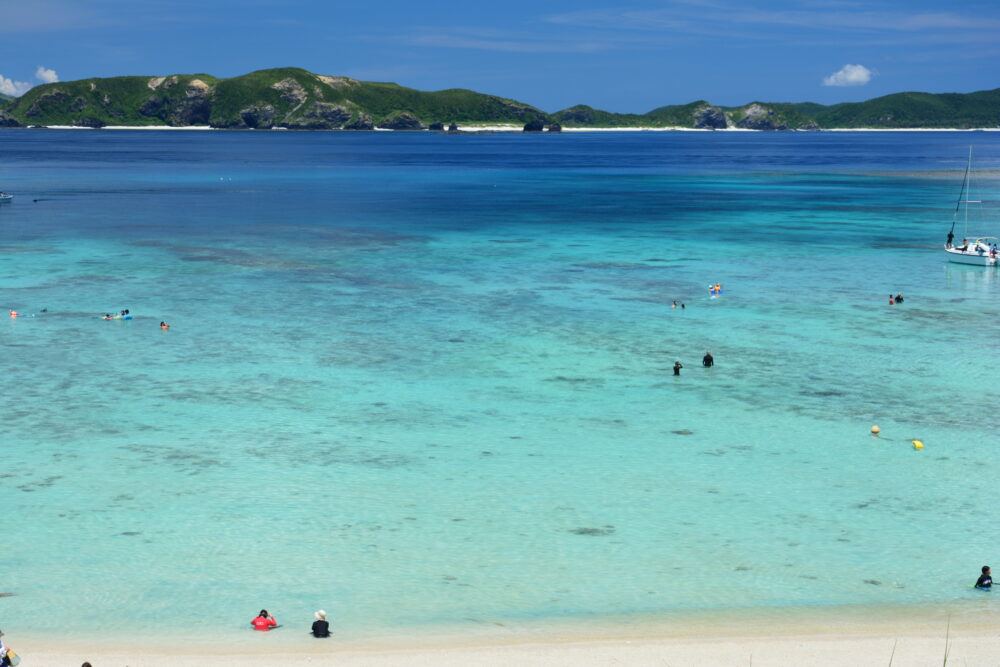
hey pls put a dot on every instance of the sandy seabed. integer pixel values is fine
(952, 634)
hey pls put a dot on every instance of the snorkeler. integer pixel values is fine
(708, 360)
(677, 368)
(985, 581)
(899, 297)
(164, 326)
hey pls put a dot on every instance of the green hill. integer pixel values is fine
(5, 98)
(294, 98)
(946, 110)
(284, 97)
(902, 110)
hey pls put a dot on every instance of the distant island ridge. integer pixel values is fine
(295, 99)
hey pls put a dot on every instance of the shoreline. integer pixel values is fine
(850, 634)
(475, 129)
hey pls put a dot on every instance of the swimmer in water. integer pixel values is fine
(164, 326)
(899, 298)
(892, 300)
(708, 360)
(675, 305)
(13, 314)
(683, 306)
(677, 368)
(264, 621)
(985, 581)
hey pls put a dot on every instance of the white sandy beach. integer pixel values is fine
(817, 637)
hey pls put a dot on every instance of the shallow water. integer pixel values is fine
(424, 379)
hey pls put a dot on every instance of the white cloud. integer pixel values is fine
(849, 75)
(46, 75)
(11, 87)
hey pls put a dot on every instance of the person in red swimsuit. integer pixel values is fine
(264, 621)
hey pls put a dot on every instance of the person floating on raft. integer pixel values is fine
(715, 290)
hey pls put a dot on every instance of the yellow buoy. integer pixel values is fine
(876, 429)
(917, 444)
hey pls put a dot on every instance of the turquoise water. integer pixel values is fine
(425, 379)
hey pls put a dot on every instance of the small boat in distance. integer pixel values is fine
(979, 250)
(4, 197)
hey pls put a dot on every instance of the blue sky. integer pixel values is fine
(619, 55)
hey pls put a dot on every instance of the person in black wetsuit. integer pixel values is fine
(677, 368)
(951, 237)
(985, 581)
(708, 360)
(321, 628)
(899, 297)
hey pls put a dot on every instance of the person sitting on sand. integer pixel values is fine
(264, 621)
(320, 626)
(164, 326)
(985, 581)
(4, 651)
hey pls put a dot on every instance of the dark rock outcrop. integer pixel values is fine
(154, 105)
(8, 121)
(402, 121)
(554, 127)
(436, 127)
(89, 122)
(759, 117)
(362, 122)
(257, 117)
(320, 116)
(710, 118)
(453, 127)
(534, 125)
(195, 108)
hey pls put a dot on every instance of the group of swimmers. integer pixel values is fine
(265, 621)
(122, 315)
(707, 361)
(896, 299)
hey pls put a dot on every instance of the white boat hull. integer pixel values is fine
(970, 257)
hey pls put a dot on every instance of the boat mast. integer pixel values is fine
(962, 195)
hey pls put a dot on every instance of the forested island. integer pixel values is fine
(295, 99)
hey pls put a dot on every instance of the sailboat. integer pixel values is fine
(978, 250)
(5, 197)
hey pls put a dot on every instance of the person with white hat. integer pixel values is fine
(320, 626)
